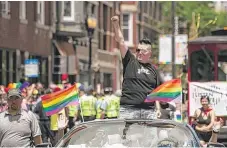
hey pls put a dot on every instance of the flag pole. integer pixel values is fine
(81, 112)
(181, 108)
(181, 100)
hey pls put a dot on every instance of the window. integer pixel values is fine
(93, 10)
(111, 14)
(105, 17)
(138, 6)
(160, 12)
(23, 10)
(5, 7)
(43, 70)
(100, 42)
(14, 66)
(68, 11)
(145, 6)
(107, 80)
(154, 11)
(86, 8)
(138, 33)
(127, 28)
(41, 12)
(1, 68)
(4, 68)
(222, 65)
(202, 65)
(7, 67)
(104, 41)
(151, 8)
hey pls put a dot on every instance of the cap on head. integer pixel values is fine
(64, 77)
(14, 92)
(57, 89)
(108, 90)
(89, 90)
(81, 88)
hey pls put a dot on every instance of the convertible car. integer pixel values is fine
(130, 133)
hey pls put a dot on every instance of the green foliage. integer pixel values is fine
(202, 10)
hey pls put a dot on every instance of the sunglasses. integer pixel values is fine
(14, 98)
(142, 50)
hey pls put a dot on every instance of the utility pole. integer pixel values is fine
(173, 40)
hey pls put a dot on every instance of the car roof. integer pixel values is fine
(209, 39)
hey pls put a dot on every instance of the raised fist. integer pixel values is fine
(115, 19)
(118, 34)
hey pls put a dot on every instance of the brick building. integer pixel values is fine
(26, 30)
(71, 40)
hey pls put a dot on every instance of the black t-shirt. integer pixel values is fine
(139, 80)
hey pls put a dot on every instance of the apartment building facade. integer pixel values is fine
(71, 40)
(26, 32)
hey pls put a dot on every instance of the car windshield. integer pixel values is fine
(128, 134)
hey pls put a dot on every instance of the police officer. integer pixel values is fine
(73, 110)
(88, 105)
(111, 104)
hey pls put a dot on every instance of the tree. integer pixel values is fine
(205, 16)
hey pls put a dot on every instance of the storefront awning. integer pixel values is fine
(66, 50)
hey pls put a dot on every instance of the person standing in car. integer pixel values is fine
(140, 77)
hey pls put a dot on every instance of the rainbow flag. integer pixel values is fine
(55, 102)
(166, 92)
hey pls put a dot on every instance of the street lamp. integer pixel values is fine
(173, 39)
(91, 24)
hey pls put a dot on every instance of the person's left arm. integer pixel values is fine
(35, 129)
(157, 103)
(212, 115)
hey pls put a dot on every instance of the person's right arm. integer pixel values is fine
(119, 36)
(193, 119)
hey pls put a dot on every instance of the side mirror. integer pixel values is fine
(44, 145)
(211, 144)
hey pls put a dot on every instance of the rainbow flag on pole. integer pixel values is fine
(55, 102)
(166, 92)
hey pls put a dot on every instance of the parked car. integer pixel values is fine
(130, 133)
